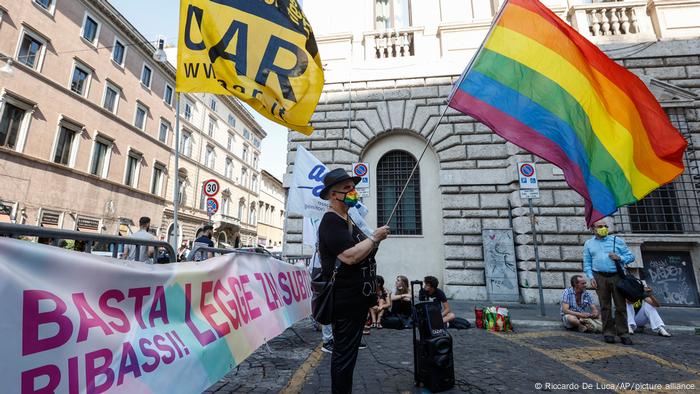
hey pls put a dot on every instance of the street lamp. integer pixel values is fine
(161, 57)
(7, 70)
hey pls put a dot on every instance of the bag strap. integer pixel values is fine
(620, 270)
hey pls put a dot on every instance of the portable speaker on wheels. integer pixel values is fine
(432, 351)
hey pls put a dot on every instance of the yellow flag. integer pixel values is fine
(261, 51)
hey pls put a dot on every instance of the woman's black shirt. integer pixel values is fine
(354, 284)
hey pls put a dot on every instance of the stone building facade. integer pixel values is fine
(379, 106)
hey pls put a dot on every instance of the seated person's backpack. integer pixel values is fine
(460, 324)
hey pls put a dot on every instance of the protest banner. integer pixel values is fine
(262, 51)
(74, 322)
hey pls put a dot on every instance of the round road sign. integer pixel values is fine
(212, 205)
(527, 170)
(211, 187)
(360, 169)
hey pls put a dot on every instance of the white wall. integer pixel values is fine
(412, 255)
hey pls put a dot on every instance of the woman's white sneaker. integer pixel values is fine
(662, 332)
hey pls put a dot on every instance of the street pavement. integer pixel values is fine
(534, 358)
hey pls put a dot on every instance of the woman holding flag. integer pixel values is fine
(340, 239)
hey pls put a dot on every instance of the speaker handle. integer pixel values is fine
(415, 341)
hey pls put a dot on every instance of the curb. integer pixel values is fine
(553, 324)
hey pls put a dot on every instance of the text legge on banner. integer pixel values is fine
(89, 324)
(262, 51)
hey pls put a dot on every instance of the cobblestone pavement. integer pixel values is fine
(484, 363)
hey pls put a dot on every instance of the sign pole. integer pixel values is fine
(176, 170)
(537, 256)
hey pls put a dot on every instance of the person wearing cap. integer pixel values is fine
(339, 238)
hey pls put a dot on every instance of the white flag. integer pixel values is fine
(303, 198)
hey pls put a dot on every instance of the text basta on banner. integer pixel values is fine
(78, 323)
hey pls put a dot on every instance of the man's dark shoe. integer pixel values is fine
(609, 339)
(626, 341)
(363, 345)
(327, 347)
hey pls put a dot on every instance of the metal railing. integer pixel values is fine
(197, 254)
(293, 260)
(91, 240)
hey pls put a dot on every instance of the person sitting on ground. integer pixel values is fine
(575, 303)
(644, 311)
(383, 303)
(430, 292)
(401, 298)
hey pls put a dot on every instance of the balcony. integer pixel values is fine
(220, 220)
(636, 21)
(622, 21)
(391, 44)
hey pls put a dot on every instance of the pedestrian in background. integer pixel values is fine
(183, 251)
(145, 252)
(601, 254)
(203, 240)
(354, 289)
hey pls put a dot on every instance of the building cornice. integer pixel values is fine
(267, 175)
(123, 24)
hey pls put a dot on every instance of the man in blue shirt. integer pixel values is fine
(600, 255)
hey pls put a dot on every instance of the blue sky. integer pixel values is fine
(160, 17)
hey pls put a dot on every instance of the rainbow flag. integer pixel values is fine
(542, 86)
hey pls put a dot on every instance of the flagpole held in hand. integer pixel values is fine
(449, 98)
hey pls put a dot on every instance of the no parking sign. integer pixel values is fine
(362, 170)
(527, 177)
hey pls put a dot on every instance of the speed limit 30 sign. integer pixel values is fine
(211, 187)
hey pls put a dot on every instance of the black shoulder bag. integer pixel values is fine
(322, 299)
(630, 287)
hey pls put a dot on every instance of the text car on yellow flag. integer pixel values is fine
(261, 51)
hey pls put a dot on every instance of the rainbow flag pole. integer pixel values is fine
(449, 98)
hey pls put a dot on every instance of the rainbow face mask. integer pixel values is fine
(351, 198)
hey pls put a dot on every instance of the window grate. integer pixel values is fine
(50, 218)
(393, 171)
(675, 207)
(88, 223)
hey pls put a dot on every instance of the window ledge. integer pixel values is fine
(50, 13)
(117, 65)
(89, 43)
(406, 236)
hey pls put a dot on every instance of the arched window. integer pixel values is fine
(393, 170)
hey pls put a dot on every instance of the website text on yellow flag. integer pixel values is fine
(261, 51)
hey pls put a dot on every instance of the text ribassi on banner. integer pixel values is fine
(85, 323)
(261, 51)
